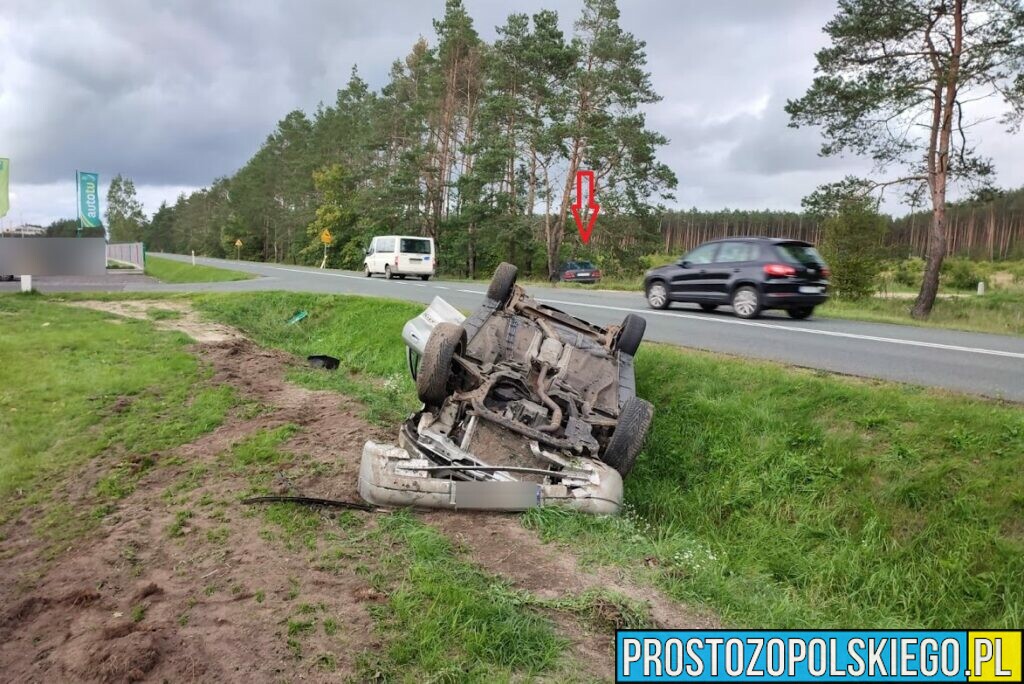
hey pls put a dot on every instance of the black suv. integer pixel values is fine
(750, 274)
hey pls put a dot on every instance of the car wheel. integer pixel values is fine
(387, 273)
(630, 334)
(366, 270)
(657, 295)
(629, 435)
(433, 377)
(424, 278)
(502, 283)
(801, 312)
(746, 302)
(709, 307)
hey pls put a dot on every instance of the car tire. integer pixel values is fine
(630, 432)
(424, 278)
(387, 273)
(709, 307)
(746, 302)
(800, 312)
(630, 334)
(657, 294)
(366, 270)
(500, 289)
(433, 377)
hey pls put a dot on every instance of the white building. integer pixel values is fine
(25, 230)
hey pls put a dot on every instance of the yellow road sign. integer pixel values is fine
(325, 237)
(238, 242)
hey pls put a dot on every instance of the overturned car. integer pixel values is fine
(524, 406)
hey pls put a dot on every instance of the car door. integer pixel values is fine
(732, 257)
(689, 281)
(372, 257)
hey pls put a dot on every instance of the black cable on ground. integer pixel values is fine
(309, 501)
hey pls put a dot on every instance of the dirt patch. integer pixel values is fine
(214, 601)
(182, 583)
(184, 318)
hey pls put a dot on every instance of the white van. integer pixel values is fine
(400, 255)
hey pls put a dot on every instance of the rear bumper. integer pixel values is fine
(788, 300)
(788, 295)
(388, 476)
(591, 281)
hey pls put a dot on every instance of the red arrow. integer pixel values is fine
(592, 206)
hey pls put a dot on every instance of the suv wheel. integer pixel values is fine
(801, 312)
(366, 270)
(657, 295)
(746, 302)
(630, 334)
(434, 375)
(630, 433)
(502, 283)
(387, 272)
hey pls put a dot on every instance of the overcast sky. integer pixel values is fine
(175, 93)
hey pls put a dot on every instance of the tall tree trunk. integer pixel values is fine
(938, 164)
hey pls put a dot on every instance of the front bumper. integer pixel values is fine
(390, 476)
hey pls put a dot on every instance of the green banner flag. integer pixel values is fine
(88, 199)
(5, 186)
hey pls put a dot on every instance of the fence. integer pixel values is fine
(128, 253)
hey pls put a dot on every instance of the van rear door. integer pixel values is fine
(415, 255)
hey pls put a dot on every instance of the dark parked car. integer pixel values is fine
(749, 274)
(578, 272)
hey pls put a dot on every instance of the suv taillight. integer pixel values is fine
(779, 270)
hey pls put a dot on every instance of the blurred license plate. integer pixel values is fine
(415, 259)
(584, 274)
(810, 289)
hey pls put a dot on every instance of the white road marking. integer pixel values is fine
(730, 321)
(810, 331)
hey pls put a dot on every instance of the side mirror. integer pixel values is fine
(685, 264)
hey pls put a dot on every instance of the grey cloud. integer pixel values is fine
(175, 94)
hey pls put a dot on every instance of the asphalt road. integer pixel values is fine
(990, 365)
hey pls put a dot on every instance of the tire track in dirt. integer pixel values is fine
(201, 619)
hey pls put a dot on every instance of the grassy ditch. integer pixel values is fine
(171, 271)
(781, 497)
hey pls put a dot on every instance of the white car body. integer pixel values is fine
(401, 255)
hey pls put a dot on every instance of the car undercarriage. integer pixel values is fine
(524, 406)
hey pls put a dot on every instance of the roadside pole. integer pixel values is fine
(326, 238)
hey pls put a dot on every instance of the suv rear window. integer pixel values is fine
(796, 253)
(414, 246)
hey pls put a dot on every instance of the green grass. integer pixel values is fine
(448, 621)
(788, 498)
(171, 271)
(995, 312)
(351, 329)
(74, 386)
(780, 497)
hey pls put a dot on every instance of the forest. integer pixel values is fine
(476, 144)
